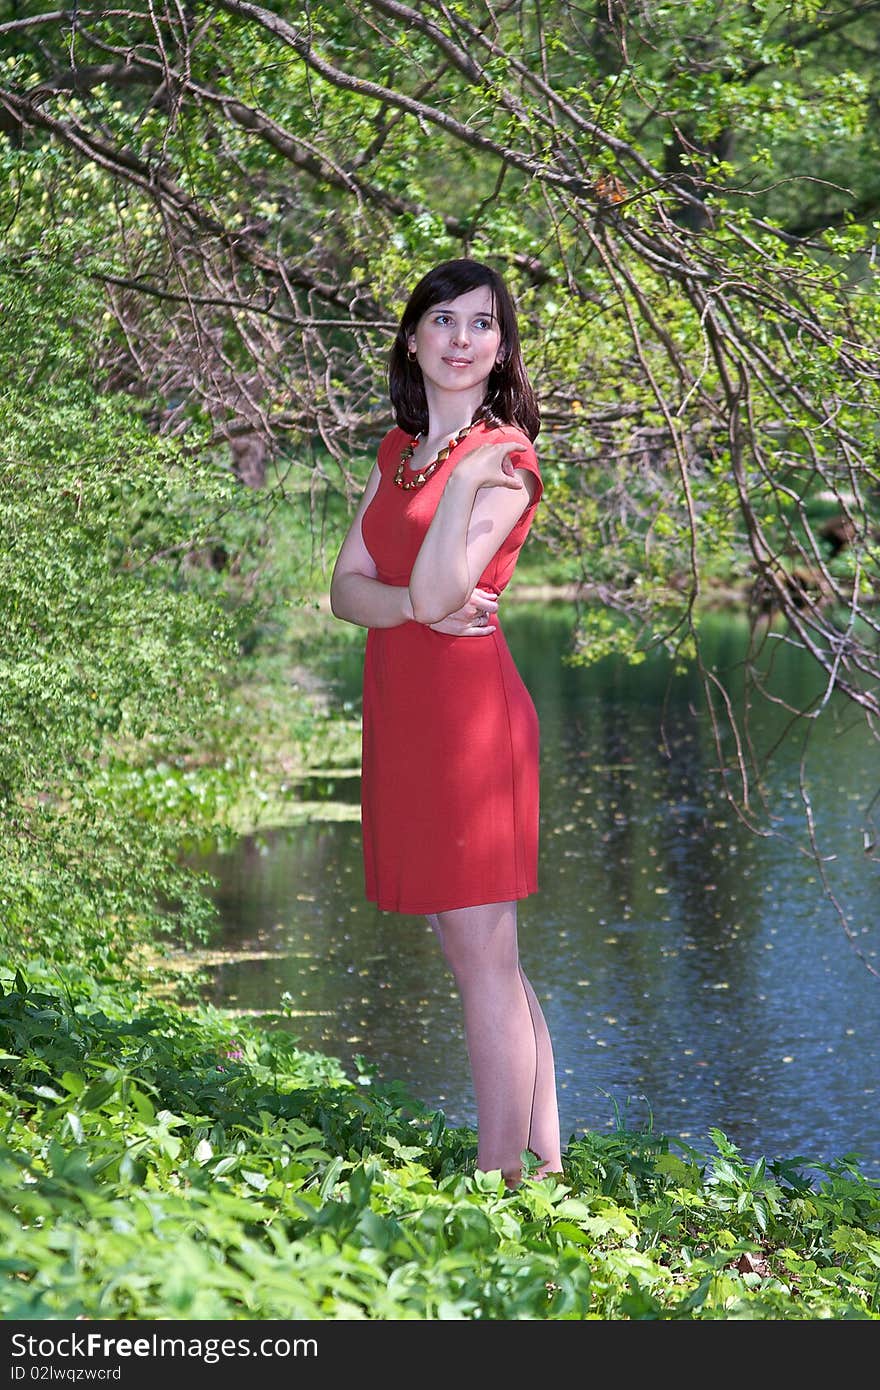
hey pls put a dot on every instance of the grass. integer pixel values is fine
(167, 1163)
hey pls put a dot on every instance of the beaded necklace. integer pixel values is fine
(443, 454)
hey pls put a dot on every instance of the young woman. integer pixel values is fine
(449, 791)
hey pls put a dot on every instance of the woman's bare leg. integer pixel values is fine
(544, 1138)
(507, 1038)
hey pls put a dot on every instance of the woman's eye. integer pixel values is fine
(483, 323)
(441, 318)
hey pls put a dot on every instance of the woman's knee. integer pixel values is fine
(477, 940)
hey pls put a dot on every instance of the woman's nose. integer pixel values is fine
(460, 334)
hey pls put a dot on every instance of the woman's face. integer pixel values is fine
(457, 341)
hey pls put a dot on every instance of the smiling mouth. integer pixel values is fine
(458, 361)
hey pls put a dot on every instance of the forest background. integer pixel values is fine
(212, 216)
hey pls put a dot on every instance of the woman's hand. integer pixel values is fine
(489, 465)
(472, 620)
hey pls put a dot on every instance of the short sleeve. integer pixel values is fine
(525, 457)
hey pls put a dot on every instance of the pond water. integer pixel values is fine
(692, 971)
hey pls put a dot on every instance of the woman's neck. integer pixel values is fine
(450, 412)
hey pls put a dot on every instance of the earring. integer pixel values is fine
(499, 363)
(411, 355)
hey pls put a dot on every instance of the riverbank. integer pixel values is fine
(290, 1187)
(288, 1190)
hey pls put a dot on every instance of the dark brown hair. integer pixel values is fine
(510, 399)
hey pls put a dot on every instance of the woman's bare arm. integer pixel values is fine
(356, 594)
(483, 499)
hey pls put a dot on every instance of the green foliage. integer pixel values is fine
(709, 389)
(109, 652)
(287, 1190)
(697, 361)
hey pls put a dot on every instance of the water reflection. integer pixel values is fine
(692, 973)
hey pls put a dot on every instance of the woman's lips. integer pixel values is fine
(457, 361)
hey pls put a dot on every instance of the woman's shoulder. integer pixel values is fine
(510, 434)
(390, 446)
(522, 454)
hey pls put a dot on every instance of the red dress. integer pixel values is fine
(449, 784)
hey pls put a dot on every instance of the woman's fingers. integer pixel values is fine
(506, 478)
(473, 619)
(484, 602)
(490, 465)
(463, 627)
